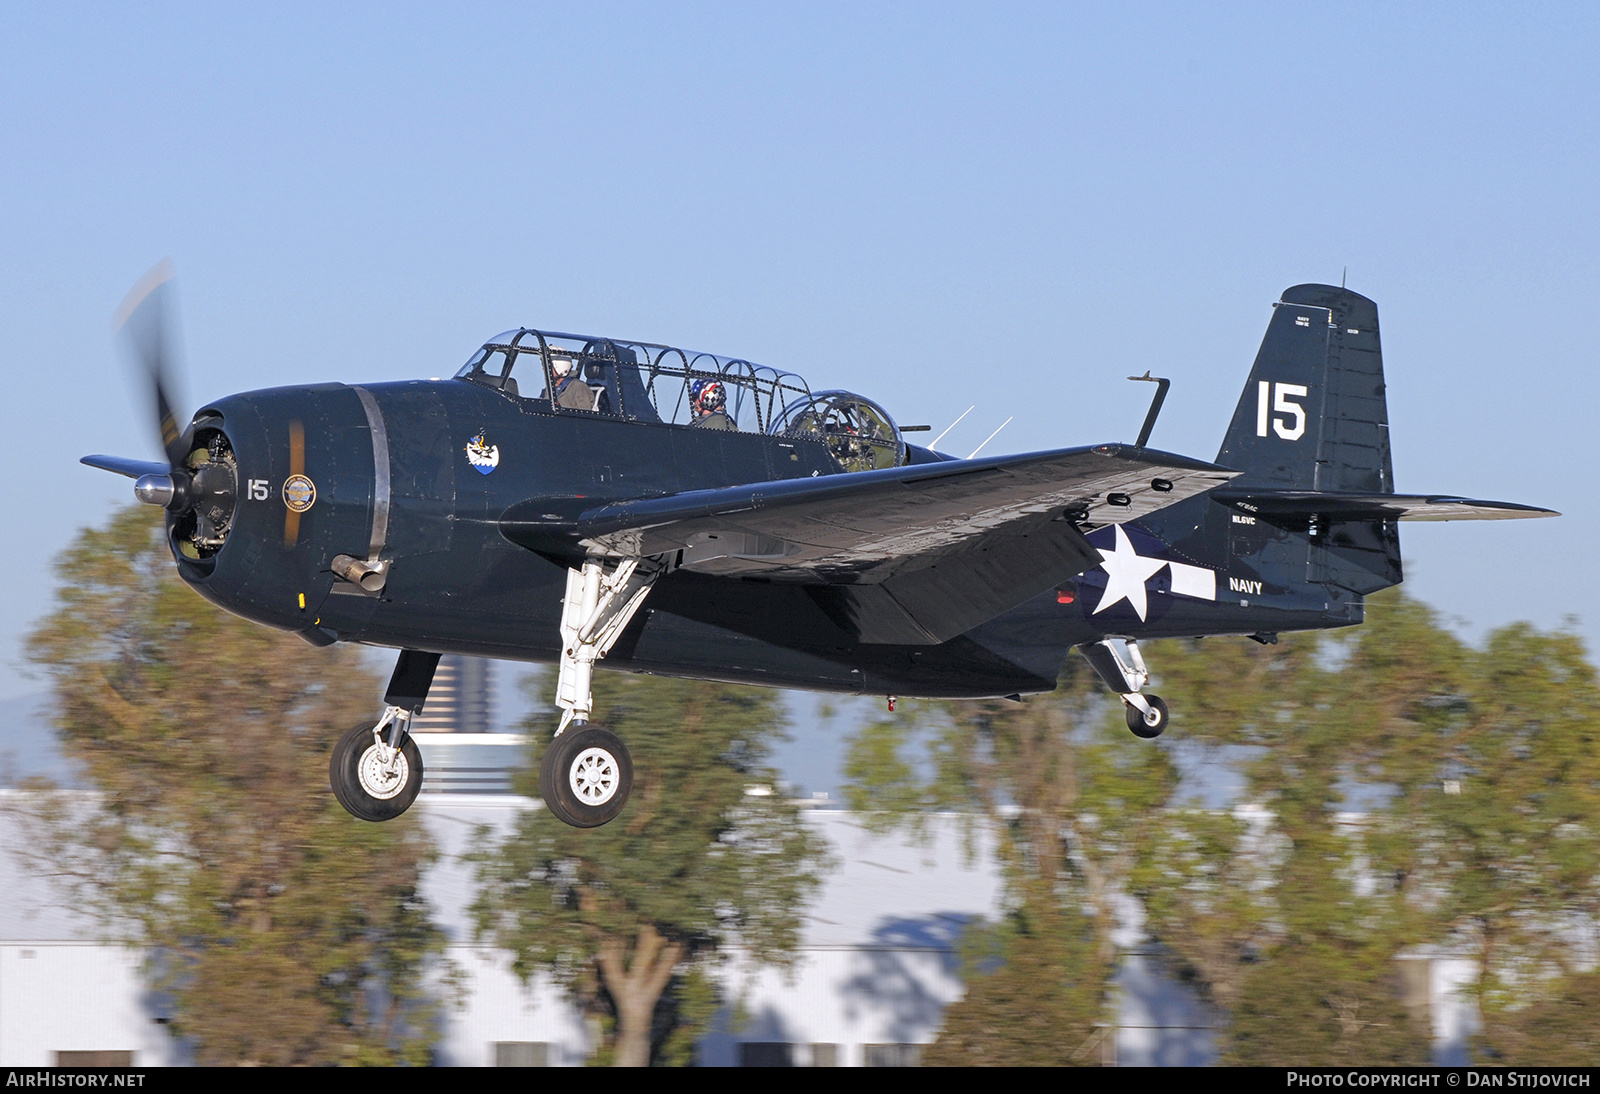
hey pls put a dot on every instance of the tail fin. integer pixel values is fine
(1313, 416)
(1314, 505)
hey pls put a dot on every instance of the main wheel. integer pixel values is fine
(1148, 725)
(586, 776)
(366, 786)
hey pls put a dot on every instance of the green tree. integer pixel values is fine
(1498, 821)
(1493, 824)
(1479, 787)
(1401, 789)
(286, 931)
(1206, 885)
(1286, 915)
(707, 856)
(1288, 902)
(1071, 803)
(1035, 990)
(1327, 990)
(1556, 1025)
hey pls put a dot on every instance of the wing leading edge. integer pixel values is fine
(910, 555)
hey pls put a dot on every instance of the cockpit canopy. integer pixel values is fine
(858, 431)
(644, 382)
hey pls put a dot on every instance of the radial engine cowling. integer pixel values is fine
(200, 496)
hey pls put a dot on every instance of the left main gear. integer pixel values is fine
(598, 606)
(586, 776)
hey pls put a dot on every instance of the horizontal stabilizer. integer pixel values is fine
(1337, 505)
(132, 468)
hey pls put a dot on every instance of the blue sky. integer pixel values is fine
(1010, 205)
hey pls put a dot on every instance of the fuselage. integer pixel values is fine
(422, 471)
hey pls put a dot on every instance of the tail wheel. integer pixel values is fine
(1148, 725)
(586, 776)
(369, 787)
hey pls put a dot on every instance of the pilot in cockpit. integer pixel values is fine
(571, 391)
(710, 402)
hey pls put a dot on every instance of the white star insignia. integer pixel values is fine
(1126, 572)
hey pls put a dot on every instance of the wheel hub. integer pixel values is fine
(593, 776)
(379, 779)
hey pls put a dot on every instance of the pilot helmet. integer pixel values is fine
(561, 366)
(708, 396)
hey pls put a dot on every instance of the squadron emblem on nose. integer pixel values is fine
(483, 455)
(299, 493)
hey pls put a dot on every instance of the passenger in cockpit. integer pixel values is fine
(710, 403)
(571, 392)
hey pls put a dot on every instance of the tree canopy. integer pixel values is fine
(1071, 803)
(1401, 790)
(284, 930)
(707, 855)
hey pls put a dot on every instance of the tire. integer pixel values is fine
(361, 784)
(586, 776)
(1152, 726)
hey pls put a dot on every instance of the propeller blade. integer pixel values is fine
(143, 319)
(134, 469)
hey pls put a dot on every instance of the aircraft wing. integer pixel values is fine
(1335, 505)
(909, 555)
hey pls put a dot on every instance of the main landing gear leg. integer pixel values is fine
(376, 771)
(586, 774)
(1125, 673)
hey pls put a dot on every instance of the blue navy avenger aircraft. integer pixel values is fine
(570, 499)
